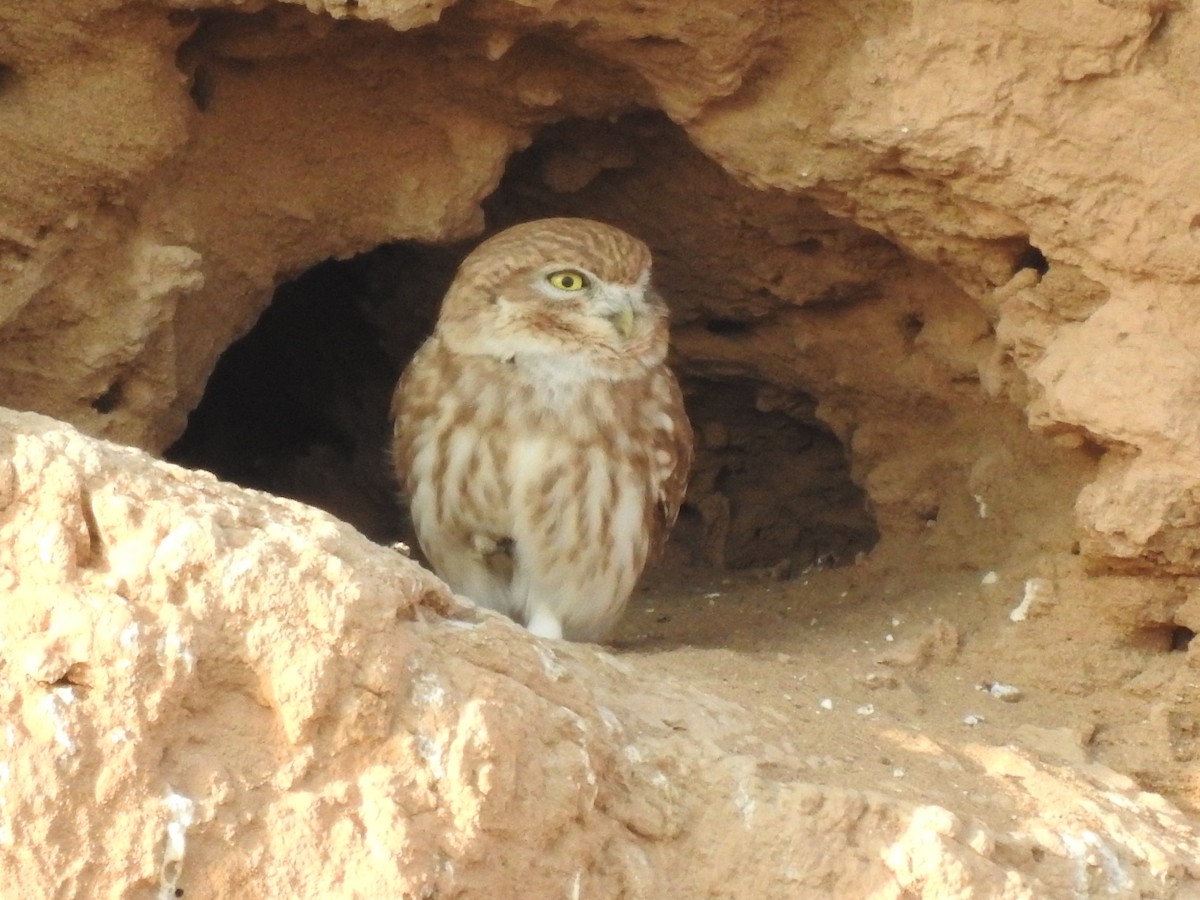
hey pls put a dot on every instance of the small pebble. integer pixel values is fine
(866, 710)
(971, 720)
(1006, 692)
(1036, 590)
(826, 704)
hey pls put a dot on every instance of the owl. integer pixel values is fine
(540, 437)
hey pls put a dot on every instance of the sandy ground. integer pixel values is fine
(877, 677)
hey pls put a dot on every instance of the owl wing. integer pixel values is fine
(674, 448)
(414, 402)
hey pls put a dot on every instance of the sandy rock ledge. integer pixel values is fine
(210, 692)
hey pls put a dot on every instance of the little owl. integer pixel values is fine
(539, 435)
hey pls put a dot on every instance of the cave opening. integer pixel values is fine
(299, 405)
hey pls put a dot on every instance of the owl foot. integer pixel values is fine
(544, 625)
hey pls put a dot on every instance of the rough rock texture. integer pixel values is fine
(169, 168)
(933, 268)
(214, 690)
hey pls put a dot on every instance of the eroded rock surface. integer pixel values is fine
(214, 690)
(953, 244)
(169, 168)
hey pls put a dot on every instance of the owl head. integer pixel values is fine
(569, 291)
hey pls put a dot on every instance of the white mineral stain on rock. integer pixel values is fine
(52, 705)
(1088, 852)
(554, 670)
(433, 753)
(745, 803)
(172, 647)
(129, 635)
(427, 690)
(182, 813)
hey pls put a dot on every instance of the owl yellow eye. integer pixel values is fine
(568, 280)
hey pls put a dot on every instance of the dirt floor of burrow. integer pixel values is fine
(876, 677)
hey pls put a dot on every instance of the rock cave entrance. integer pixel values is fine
(299, 405)
(957, 333)
(849, 393)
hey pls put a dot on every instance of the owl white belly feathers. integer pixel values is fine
(540, 438)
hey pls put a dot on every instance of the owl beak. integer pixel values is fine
(623, 319)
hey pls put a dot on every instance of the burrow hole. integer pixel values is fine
(1165, 637)
(299, 406)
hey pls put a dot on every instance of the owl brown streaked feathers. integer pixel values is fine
(539, 435)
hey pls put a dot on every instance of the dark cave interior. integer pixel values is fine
(299, 406)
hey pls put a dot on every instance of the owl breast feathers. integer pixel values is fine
(540, 438)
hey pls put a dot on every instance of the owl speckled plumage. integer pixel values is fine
(539, 435)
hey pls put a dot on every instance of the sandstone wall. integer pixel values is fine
(168, 168)
(215, 691)
(959, 240)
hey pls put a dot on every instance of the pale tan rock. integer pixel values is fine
(202, 182)
(862, 188)
(215, 690)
